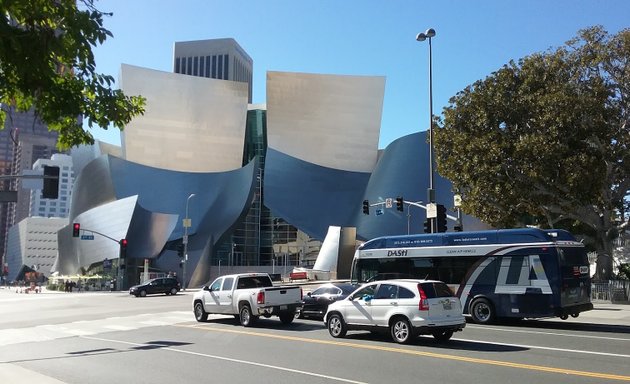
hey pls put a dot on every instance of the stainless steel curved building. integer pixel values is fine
(310, 160)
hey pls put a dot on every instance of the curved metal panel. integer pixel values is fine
(191, 123)
(92, 187)
(311, 197)
(403, 170)
(147, 208)
(329, 120)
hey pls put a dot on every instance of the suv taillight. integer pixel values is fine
(424, 303)
(260, 299)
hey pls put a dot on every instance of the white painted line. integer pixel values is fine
(548, 333)
(544, 348)
(233, 360)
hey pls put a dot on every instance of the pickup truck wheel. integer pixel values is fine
(246, 317)
(287, 317)
(336, 326)
(200, 313)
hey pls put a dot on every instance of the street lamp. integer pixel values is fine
(428, 34)
(186, 223)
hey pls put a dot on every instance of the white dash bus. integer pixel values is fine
(505, 273)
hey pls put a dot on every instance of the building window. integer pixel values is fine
(208, 66)
(189, 66)
(177, 65)
(226, 67)
(196, 66)
(220, 68)
(214, 67)
(202, 66)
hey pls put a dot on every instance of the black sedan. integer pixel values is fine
(315, 303)
(167, 285)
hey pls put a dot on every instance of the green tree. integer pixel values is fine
(547, 139)
(47, 65)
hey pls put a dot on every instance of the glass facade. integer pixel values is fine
(261, 238)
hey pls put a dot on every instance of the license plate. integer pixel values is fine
(283, 307)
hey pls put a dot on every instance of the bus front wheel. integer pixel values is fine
(482, 311)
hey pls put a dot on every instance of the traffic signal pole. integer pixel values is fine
(122, 247)
(431, 225)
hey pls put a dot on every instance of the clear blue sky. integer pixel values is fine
(356, 37)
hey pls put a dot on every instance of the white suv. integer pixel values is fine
(405, 308)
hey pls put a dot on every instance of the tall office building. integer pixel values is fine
(220, 59)
(23, 140)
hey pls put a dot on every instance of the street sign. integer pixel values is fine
(107, 265)
(388, 202)
(431, 211)
(187, 223)
(87, 237)
(379, 212)
(185, 239)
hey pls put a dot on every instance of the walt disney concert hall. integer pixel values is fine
(257, 183)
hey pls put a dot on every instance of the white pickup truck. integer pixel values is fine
(247, 296)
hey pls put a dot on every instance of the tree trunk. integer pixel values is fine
(604, 267)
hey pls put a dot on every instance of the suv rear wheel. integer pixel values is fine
(173, 291)
(336, 326)
(443, 335)
(401, 330)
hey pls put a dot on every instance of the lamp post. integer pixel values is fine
(186, 223)
(428, 34)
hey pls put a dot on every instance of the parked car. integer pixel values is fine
(404, 308)
(315, 303)
(167, 285)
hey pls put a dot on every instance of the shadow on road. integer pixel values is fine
(569, 326)
(272, 323)
(429, 341)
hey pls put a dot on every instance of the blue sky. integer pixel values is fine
(352, 37)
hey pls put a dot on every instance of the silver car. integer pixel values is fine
(404, 308)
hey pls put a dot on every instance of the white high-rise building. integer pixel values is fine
(59, 207)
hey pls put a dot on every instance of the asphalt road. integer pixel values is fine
(114, 338)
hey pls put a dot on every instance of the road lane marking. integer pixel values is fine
(540, 368)
(545, 348)
(485, 327)
(231, 360)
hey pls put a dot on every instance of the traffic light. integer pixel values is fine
(123, 248)
(427, 226)
(180, 250)
(366, 207)
(458, 227)
(51, 182)
(441, 218)
(76, 228)
(399, 203)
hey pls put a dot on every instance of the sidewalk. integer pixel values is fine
(604, 313)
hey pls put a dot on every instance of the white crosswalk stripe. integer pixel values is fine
(92, 327)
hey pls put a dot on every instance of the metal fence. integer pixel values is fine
(611, 290)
